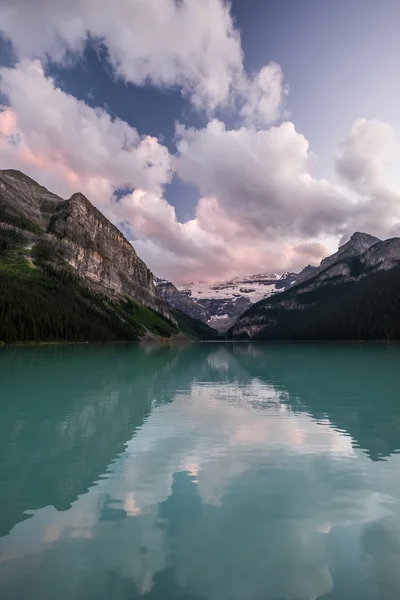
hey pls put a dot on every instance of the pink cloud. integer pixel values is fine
(8, 122)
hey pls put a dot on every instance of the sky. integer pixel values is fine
(222, 138)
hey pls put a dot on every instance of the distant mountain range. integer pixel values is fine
(352, 294)
(221, 303)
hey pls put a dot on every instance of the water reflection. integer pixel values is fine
(200, 472)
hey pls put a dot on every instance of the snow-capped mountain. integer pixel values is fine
(225, 301)
(253, 287)
(222, 303)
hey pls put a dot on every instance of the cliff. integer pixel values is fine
(180, 301)
(82, 235)
(99, 252)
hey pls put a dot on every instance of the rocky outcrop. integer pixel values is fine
(24, 203)
(355, 247)
(85, 238)
(225, 311)
(306, 273)
(382, 256)
(286, 280)
(180, 301)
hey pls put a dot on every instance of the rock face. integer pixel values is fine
(306, 273)
(180, 301)
(286, 280)
(382, 256)
(357, 245)
(25, 203)
(99, 252)
(87, 240)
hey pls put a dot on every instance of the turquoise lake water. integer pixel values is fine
(200, 472)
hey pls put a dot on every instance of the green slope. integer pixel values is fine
(42, 300)
(193, 328)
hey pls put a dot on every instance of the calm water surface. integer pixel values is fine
(201, 472)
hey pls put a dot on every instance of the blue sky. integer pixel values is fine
(333, 79)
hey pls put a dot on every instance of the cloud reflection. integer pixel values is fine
(231, 489)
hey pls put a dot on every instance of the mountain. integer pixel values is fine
(357, 245)
(179, 300)
(223, 302)
(67, 273)
(306, 273)
(93, 246)
(354, 294)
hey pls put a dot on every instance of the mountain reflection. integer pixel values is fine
(65, 415)
(200, 472)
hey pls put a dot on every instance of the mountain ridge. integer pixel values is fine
(331, 293)
(222, 302)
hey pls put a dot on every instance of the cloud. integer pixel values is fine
(193, 45)
(259, 204)
(166, 43)
(362, 156)
(261, 207)
(360, 163)
(208, 247)
(262, 179)
(264, 96)
(70, 146)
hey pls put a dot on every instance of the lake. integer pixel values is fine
(200, 472)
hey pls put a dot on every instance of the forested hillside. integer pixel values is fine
(368, 309)
(42, 299)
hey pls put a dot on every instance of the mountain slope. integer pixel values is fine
(67, 273)
(180, 301)
(356, 246)
(43, 299)
(356, 297)
(24, 203)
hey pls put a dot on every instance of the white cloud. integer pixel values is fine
(263, 179)
(189, 44)
(193, 45)
(261, 207)
(69, 146)
(264, 96)
(361, 161)
(363, 154)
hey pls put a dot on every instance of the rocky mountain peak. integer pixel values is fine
(357, 245)
(179, 300)
(362, 238)
(24, 202)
